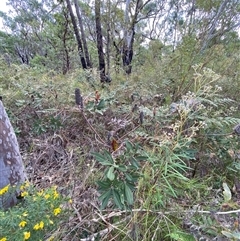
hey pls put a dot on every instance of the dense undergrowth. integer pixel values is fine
(147, 157)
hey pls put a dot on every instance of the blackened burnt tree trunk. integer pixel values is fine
(128, 39)
(77, 35)
(64, 37)
(100, 42)
(85, 47)
(129, 34)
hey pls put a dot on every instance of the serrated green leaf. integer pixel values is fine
(180, 236)
(99, 112)
(106, 163)
(20, 102)
(106, 195)
(131, 185)
(105, 202)
(141, 158)
(231, 235)
(121, 168)
(117, 199)
(101, 105)
(90, 105)
(104, 185)
(134, 163)
(129, 146)
(128, 194)
(129, 177)
(110, 173)
(101, 158)
(226, 192)
(109, 157)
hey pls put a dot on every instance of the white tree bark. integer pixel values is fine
(11, 166)
(214, 25)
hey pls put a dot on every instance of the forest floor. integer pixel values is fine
(179, 193)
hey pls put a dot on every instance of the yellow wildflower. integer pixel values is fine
(24, 194)
(4, 190)
(40, 193)
(56, 211)
(22, 224)
(39, 226)
(55, 195)
(3, 239)
(47, 196)
(25, 214)
(51, 238)
(26, 235)
(36, 226)
(24, 185)
(51, 222)
(70, 201)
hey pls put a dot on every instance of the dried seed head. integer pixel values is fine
(97, 96)
(141, 117)
(110, 137)
(236, 129)
(132, 97)
(154, 111)
(135, 108)
(78, 98)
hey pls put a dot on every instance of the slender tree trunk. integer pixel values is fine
(117, 57)
(79, 42)
(85, 47)
(129, 34)
(108, 52)
(108, 47)
(211, 35)
(127, 51)
(100, 42)
(11, 166)
(66, 58)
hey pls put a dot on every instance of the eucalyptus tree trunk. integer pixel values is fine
(11, 166)
(101, 59)
(85, 47)
(75, 28)
(211, 34)
(108, 49)
(66, 56)
(129, 34)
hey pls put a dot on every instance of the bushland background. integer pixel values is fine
(131, 108)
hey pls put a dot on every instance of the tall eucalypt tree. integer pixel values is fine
(12, 172)
(101, 59)
(130, 22)
(77, 35)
